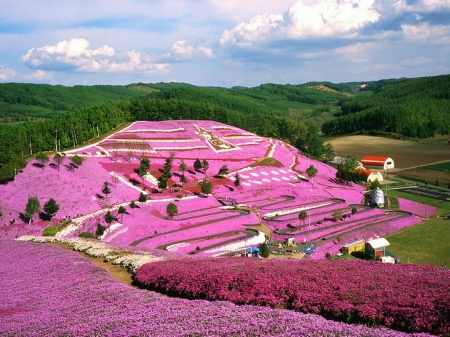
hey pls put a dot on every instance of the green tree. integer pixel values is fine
(42, 158)
(109, 218)
(197, 165)
(205, 166)
(351, 163)
(132, 206)
(374, 185)
(100, 230)
(1, 213)
(223, 171)
(106, 190)
(171, 210)
(142, 198)
(337, 214)
(162, 182)
(51, 207)
(58, 158)
(302, 216)
(315, 143)
(77, 160)
(121, 211)
(311, 171)
(144, 166)
(206, 187)
(264, 250)
(354, 210)
(183, 179)
(183, 167)
(328, 152)
(237, 180)
(33, 206)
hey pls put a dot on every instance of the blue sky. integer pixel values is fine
(222, 43)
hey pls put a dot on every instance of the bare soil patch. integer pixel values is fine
(407, 155)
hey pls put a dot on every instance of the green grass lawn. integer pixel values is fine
(427, 242)
(438, 167)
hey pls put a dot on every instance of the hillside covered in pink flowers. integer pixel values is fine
(274, 187)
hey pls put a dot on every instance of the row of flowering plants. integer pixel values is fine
(61, 293)
(410, 298)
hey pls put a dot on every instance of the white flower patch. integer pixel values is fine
(256, 182)
(264, 173)
(254, 174)
(275, 179)
(244, 176)
(285, 178)
(246, 184)
(274, 172)
(266, 180)
(254, 241)
(283, 171)
(187, 148)
(174, 247)
(294, 210)
(168, 140)
(133, 261)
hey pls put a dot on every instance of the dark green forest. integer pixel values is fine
(43, 118)
(416, 108)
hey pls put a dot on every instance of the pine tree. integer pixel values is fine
(51, 207)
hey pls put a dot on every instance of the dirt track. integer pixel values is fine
(407, 155)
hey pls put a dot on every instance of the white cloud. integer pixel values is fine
(185, 49)
(256, 29)
(329, 17)
(417, 61)
(39, 75)
(358, 52)
(75, 54)
(428, 34)
(6, 73)
(320, 18)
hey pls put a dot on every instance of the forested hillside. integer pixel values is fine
(409, 107)
(25, 101)
(58, 118)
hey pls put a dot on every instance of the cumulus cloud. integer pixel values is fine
(319, 18)
(6, 73)
(427, 33)
(257, 28)
(75, 54)
(185, 49)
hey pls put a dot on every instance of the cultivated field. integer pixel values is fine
(407, 155)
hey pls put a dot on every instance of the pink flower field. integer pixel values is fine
(272, 176)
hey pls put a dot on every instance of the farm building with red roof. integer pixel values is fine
(370, 175)
(380, 163)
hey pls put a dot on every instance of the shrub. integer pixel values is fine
(50, 231)
(206, 187)
(87, 235)
(100, 230)
(327, 256)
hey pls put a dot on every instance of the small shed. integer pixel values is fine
(377, 247)
(380, 163)
(289, 242)
(355, 246)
